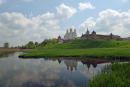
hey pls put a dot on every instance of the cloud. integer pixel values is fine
(88, 23)
(84, 6)
(65, 11)
(18, 29)
(2, 1)
(27, 0)
(124, 1)
(110, 21)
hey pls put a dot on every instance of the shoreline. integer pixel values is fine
(99, 53)
(4, 51)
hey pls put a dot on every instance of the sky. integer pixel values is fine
(35, 20)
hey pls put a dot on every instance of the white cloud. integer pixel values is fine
(17, 29)
(84, 6)
(65, 11)
(2, 1)
(27, 0)
(124, 1)
(88, 23)
(111, 21)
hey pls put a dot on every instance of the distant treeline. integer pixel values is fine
(32, 45)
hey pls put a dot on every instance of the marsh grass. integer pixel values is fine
(115, 75)
(6, 51)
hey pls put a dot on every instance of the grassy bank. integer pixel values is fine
(115, 75)
(83, 43)
(91, 52)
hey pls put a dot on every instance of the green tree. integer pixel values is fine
(30, 45)
(36, 44)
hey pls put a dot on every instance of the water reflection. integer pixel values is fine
(61, 72)
(71, 64)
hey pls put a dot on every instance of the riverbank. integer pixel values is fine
(115, 75)
(5, 51)
(90, 52)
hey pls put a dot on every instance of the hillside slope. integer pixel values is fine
(80, 43)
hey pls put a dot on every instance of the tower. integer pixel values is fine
(71, 30)
(74, 34)
(93, 33)
(66, 35)
(60, 39)
(111, 35)
(87, 33)
(67, 31)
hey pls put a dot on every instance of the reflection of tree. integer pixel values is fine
(71, 64)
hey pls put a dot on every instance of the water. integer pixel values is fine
(16, 72)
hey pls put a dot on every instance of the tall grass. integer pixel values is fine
(115, 75)
(5, 51)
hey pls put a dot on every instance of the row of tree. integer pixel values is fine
(32, 45)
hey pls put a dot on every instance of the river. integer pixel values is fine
(41, 72)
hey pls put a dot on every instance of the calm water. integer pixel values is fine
(16, 72)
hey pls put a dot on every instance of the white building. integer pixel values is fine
(70, 34)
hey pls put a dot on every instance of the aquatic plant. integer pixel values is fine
(115, 75)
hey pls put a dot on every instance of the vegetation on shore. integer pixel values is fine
(91, 52)
(78, 44)
(115, 75)
(79, 48)
(5, 51)
(85, 43)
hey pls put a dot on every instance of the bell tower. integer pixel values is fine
(87, 33)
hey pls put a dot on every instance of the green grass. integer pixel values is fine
(115, 75)
(81, 48)
(81, 43)
(94, 52)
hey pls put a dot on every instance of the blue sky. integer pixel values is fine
(24, 20)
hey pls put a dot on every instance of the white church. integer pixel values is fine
(70, 34)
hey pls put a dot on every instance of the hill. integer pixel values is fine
(82, 43)
(82, 48)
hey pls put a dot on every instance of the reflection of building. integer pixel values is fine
(59, 61)
(71, 64)
(94, 63)
(88, 64)
(93, 35)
